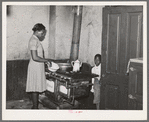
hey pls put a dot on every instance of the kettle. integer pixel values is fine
(76, 65)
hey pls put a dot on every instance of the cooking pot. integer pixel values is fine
(65, 67)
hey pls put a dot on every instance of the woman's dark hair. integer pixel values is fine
(97, 55)
(38, 27)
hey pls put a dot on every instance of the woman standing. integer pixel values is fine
(36, 81)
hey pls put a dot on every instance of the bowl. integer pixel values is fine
(54, 67)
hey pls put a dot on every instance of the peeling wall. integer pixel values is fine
(91, 32)
(20, 21)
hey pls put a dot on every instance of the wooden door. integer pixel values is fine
(135, 93)
(121, 40)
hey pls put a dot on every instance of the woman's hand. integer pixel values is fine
(49, 63)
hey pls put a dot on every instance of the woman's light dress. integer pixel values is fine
(36, 81)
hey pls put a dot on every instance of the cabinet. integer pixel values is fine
(135, 89)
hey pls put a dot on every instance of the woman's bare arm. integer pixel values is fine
(36, 58)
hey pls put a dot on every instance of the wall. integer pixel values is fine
(61, 27)
(16, 75)
(91, 32)
(64, 27)
(52, 30)
(20, 21)
(59, 23)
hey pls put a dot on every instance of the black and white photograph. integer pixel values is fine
(74, 60)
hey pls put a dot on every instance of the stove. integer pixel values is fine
(68, 86)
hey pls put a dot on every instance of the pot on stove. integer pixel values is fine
(65, 67)
(76, 65)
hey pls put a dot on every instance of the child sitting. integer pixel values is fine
(96, 81)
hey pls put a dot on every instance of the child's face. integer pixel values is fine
(97, 61)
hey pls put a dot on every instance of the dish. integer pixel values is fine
(54, 67)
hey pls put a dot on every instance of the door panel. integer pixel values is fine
(113, 42)
(121, 40)
(134, 24)
(112, 100)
